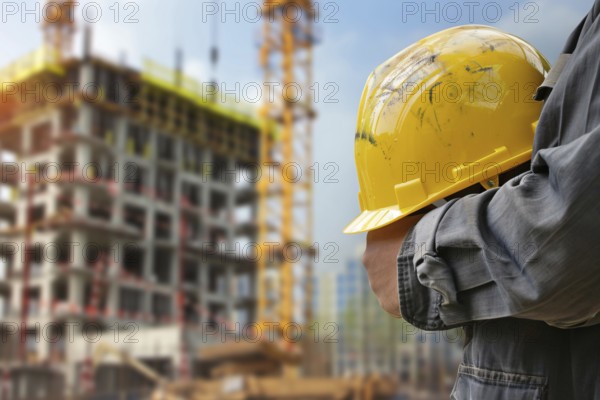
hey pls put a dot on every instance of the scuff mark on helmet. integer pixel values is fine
(480, 69)
(364, 136)
(431, 91)
(372, 139)
(421, 115)
(439, 127)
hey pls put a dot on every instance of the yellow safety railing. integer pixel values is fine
(190, 88)
(42, 59)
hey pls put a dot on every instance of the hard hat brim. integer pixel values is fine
(369, 220)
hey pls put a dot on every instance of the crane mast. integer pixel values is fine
(286, 185)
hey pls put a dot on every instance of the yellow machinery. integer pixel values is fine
(233, 376)
(273, 388)
(251, 371)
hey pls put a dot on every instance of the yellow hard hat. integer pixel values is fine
(452, 110)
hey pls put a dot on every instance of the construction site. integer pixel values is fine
(133, 243)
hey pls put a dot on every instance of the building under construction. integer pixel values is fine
(125, 209)
(136, 220)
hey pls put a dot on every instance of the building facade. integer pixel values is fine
(127, 204)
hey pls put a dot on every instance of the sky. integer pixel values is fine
(355, 37)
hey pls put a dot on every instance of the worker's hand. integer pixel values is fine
(379, 260)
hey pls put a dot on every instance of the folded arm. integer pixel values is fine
(529, 249)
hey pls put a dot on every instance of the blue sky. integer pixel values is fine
(356, 37)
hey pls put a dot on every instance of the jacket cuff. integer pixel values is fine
(419, 271)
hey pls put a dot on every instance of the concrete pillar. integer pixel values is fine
(80, 193)
(203, 274)
(85, 121)
(76, 291)
(229, 296)
(112, 299)
(79, 246)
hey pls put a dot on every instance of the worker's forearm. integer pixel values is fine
(529, 249)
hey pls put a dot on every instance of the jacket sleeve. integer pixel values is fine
(531, 248)
(528, 249)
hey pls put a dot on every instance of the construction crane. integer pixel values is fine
(59, 27)
(285, 197)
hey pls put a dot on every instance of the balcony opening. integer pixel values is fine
(217, 315)
(166, 148)
(133, 261)
(38, 213)
(162, 226)
(137, 141)
(190, 309)
(190, 194)
(192, 121)
(36, 256)
(162, 266)
(111, 86)
(243, 284)
(191, 272)
(192, 158)
(134, 216)
(217, 280)
(65, 254)
(165, 185)
(68, 120)
(64, 202)
(94, 305)
(221, 172)
(34, 295)
(41, 138)
(191, 228)
(60, 290)
(96, 253)
(230, 134)
(161, 307)
(218, 204)
(104, 126)
(58, 333)
(134, 178)
(130, 301)
(100, 207)
(218, 239)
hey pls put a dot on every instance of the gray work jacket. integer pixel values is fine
(525, 256)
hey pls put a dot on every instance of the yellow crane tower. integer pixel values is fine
(285, 188)
(59, 27)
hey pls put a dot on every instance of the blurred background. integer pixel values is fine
(175, 177)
